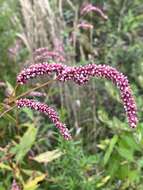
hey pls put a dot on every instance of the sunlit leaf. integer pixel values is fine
(4, 166)
(103, 181)
(48, 156)
(33, 184)
(30, 172)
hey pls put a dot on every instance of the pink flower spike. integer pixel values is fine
(50, 112)
(85, 8)
(89, 8)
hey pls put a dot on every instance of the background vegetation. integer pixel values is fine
(104, 153)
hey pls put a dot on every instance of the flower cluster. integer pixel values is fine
(37, 70)
(80, 75)
(89, 8)
(50, 112)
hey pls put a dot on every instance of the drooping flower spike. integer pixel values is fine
(89, 8)
(80, 75)
(50, 112)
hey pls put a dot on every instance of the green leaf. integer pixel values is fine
(48, 156)
(103, 116)
(2, 188)
(130, 142)
(110, 149)
(125, 153)
(26, 143)
(134, 175)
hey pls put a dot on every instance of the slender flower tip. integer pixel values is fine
(50, 112)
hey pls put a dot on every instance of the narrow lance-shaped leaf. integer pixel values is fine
(110, 149)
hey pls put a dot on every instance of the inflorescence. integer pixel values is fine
(50, 112)
(81, 75)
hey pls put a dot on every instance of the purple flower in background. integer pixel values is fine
(58, 45)
(85, 26)
(41, 54)
(15, 186)
(80, 75)
(37, 94)
(89, 8)
(50, 112)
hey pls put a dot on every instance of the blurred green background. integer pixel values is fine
(105, 154)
